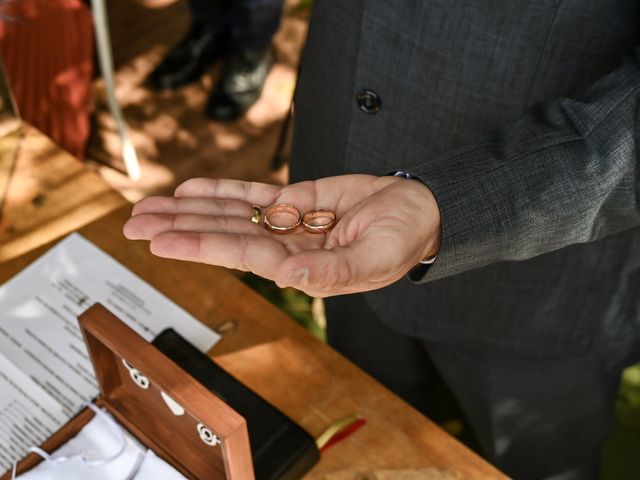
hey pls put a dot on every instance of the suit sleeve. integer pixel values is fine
(564, 173)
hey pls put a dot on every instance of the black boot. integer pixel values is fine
(240, 85)
(189, 59)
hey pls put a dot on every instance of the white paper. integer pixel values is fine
(28, 416)
(39, 332)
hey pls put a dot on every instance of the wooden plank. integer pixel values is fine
(303, 377)
(50, 193)
(10, 136)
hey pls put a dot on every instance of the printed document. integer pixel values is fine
(46, 375)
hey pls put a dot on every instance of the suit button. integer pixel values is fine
(369, 101)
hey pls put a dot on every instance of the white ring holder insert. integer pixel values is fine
(207, 436)
(139, 379)
(174, 406)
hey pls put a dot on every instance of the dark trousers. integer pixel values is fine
(536, 418)
(249, 23)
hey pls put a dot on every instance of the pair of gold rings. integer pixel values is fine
(282, 218)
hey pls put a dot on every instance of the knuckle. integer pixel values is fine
(333, 275)
(250, 188)
(246, 189)
(218, 203)
(323, 278)
(242, 257)
(345, 273)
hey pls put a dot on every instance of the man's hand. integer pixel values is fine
(385, 226)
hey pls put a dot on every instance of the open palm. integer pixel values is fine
(384, 226)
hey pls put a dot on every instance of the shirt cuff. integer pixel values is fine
(429, 260)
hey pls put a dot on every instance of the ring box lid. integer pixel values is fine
(146, 392)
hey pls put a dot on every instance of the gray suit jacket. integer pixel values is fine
(522, 118)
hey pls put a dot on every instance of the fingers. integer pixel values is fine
(325, 193)
(251, 192)
(198, 206)
(259, 254)
(300, 195)
(228, 241)
(145, 226)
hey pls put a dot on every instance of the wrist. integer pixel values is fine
(431, 212)
(433, 238)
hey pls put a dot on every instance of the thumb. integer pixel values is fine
(342, 269)
(321, 269)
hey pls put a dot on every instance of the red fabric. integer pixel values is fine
(47, 47)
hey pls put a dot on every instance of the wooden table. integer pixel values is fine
(266, 350)
(50, 194)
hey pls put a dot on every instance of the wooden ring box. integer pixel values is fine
(115, 349)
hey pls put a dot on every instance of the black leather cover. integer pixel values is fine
(280, 448)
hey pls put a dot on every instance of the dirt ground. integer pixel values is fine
(173, 139)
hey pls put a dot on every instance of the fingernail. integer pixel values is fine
(298, 277)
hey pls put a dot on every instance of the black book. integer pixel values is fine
(280, 448)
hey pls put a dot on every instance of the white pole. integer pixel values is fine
(105, 58)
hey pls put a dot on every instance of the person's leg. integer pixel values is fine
(206, 41)
(214, 15)
(397, 361)
(253, 23)
(536, 418)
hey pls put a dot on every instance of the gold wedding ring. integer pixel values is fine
(256, 214)
(281, 210)
(319, 221)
